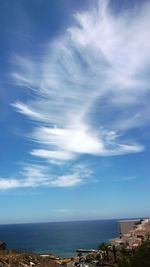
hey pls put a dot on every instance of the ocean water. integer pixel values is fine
(59, 238)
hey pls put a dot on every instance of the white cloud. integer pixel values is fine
(40, 176)
(67, 181)
(88, 89)
(24, 109)
(68, 141)
(9, 183)
(55, 155)
(105, 57)
(124, 179)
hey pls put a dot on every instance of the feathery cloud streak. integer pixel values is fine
(34, 176)
(102, 57)
(89, 87)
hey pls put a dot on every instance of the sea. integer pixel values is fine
(59, 238)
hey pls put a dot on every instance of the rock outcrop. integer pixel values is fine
(2, 245)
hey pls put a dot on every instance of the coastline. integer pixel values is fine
(60, 239)
(10, 258)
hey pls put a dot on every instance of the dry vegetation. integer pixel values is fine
(16, 259)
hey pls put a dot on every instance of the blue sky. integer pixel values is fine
(74, 110)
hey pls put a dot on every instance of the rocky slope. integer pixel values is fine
(16, 259)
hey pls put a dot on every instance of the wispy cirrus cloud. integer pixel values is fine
(88, 88)
(125, 179)
(35, 176)
(99, 59)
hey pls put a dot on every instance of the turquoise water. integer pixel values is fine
(60, 238)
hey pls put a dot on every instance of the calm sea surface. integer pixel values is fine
(61, 238)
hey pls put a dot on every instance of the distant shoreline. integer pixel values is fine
(71, 221)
